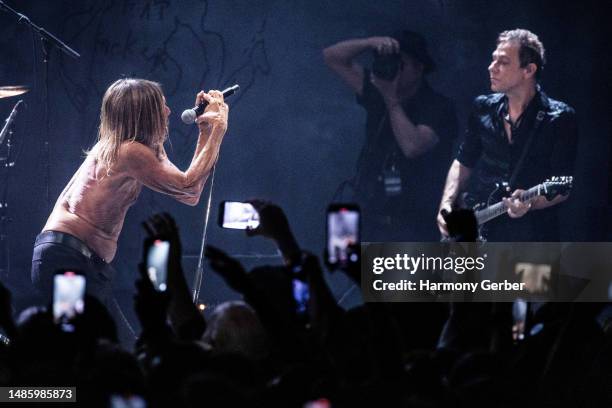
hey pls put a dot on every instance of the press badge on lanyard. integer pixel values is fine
(392, 180)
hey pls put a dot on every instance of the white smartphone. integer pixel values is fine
(342, 231)
(238, 215)
(157, 264)
(68, 298)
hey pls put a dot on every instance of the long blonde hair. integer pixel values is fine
(132, 111)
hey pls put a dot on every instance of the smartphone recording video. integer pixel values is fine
(301, 295)
(519, 317)
(157, 264)
(68, 298)
(342, 231)
(238, 215)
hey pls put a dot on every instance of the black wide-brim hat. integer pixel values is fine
(414, 44)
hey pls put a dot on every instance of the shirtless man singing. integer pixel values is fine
(82, 231)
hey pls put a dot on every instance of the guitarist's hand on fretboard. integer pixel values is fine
(516, 207)
(549, 193)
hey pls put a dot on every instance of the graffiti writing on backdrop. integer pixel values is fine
(158, 40)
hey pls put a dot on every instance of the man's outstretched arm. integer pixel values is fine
(159, 174)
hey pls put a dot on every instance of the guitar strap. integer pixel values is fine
(538, 121)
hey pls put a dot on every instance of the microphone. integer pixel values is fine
(189, 115)
(9, 122)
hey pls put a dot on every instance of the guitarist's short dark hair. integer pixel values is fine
(531, 48)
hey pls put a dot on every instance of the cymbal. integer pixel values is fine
(8, 91)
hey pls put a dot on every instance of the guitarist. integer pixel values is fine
(516, 135)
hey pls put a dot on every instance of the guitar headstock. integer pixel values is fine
(557, 185)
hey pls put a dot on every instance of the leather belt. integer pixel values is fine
(56, 237)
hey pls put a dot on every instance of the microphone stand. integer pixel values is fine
(48, 41)
(197, 279)
(5, 254)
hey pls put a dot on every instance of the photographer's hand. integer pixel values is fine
(384, 45)
(413, 139)
(388, 90)
(341, 57)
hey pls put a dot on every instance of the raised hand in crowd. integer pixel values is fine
(186, 320)
(323, 310)
(230, 269)
(273, 224)
(251, 286)
(151, 307)
(268, 289)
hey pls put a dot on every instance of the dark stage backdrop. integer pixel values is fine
(295, 130)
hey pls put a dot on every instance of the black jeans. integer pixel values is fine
(50, 257)
(71, 254)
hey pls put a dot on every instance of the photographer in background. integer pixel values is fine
(409, 135)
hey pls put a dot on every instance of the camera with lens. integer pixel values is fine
(386, 66)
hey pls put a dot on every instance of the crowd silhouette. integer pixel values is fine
(263, 352)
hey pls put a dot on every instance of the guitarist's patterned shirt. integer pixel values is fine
(551, 152)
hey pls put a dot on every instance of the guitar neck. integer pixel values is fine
(499, 208)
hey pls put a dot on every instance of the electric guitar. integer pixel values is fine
(472, 214)
(550, 189)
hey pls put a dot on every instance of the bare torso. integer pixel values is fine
(93, 205)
